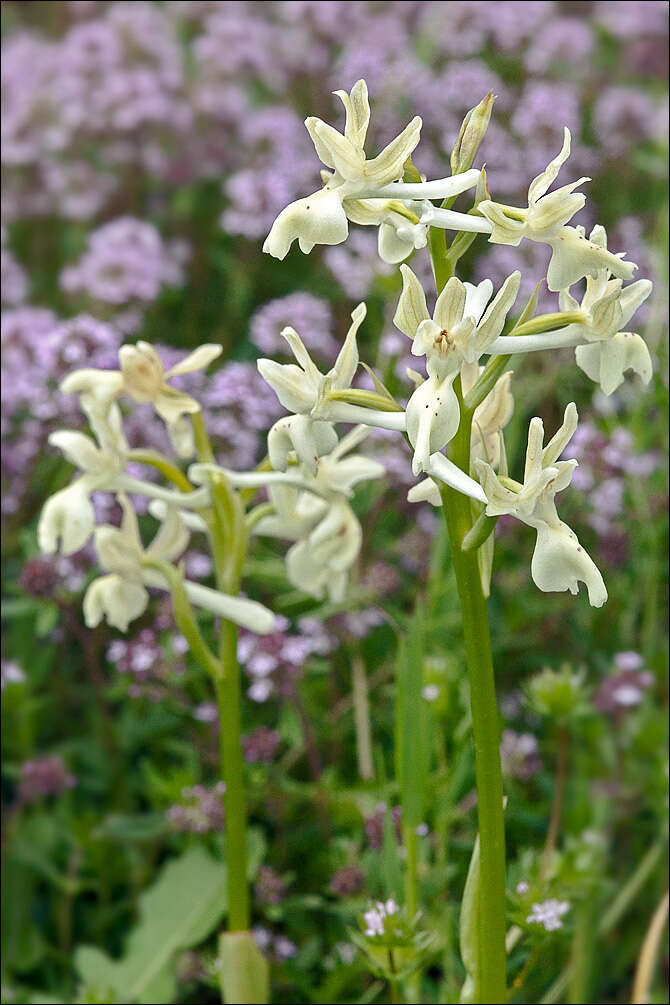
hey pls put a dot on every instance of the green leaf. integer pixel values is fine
(177, 912)
(468, 926)
(244, 969)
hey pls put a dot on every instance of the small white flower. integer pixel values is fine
(559, 561)
(314, 512)
(545, 221)
(608, 306)
(548, 913)
(302, 389)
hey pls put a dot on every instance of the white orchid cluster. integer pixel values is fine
(309, 494)
(467, 340)
(312, 472)
(68, 522)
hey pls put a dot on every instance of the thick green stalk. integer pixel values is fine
(229, 536)
(490, 981)
(235, 800)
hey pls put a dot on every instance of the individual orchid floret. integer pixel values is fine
(357, 188)
(545, 221)
(559, 561)
(461, 330)
(143, 377)
(319, 564)
(314, 512)
(462, 327)
(301, 389)
(491, 416)
(121, 596)
(489, 419)
(608, 306)
(68, 519)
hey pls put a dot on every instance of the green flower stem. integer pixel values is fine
(235, 799)
(229, 538)
(162, 464)
(410, 842)
(490, 981)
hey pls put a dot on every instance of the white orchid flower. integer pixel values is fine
(67, 519)
(488, 421)
(608, 306)
(461, 330)
(302, 389)
(559, 562)
(357, 189)
(606, 363)
(319, 563)
(314, 512)
(143, 377)
(491, 416)
(121, 596)
(545, 221)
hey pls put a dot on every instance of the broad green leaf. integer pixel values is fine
(176, 913)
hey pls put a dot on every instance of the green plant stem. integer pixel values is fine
(557, 802)
(648, 954)
(490, 984)
(362, 719)
(235, 799)
(411, 871)
(229, 537)
(490, 981)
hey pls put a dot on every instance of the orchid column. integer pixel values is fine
(463, 404)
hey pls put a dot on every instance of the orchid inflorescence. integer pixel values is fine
(311, 470)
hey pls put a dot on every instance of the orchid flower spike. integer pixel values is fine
(545, 220)
(461, 330)
(559, 562)
(365, 191)
(143, 377)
